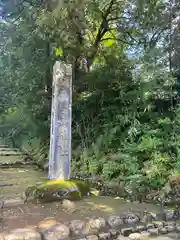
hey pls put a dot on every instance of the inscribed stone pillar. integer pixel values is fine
(60, 137)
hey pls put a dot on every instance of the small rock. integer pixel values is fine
(56, 232)
(134, 236)
(177, 227)
(170, 223)
(158, 224)
(23, 233)
(131, 218)
(77, 227)
(176, 214)
(153, 231)
(92, 237)
(170, 228)
(46, 224)
(114, 232)
(120, 237)
(150, 225)
(126, 231)
(147, 218)
(104, 236)
(114, 221)
(140, 228)
(34, 227)
(158, 216)
(162, 230)
(68, 204)
(94, 225)
(169, 214)
(145, 235)
(12, 202)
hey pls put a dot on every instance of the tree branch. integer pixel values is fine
(117, 39)
(102, 30)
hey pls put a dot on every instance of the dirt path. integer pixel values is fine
(20, 178)
(29, 214)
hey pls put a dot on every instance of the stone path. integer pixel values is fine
(130, 226)
(16, 174)
(9, 156)
(91, 219)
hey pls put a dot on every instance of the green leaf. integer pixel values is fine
(59, 52)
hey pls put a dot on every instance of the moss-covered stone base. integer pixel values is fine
(53, 190)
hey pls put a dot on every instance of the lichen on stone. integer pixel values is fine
(53, 190)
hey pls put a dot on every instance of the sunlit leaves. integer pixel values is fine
(110, 38)
(59, 52)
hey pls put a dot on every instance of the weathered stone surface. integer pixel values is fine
(146, 218)
(162, 238)
(68, 204)
(158, 224)
(77, 227)
(12, 202)
(162, 230)
(34, 227)
(61, 120)
(92, 229)
(150, 225)
(81, 238)
(173, 235)
(170, 228)
(57, 232)
(104, 236)
(23, 234)
(94, 225)
(153, 231)
(145, 235)
(131, 219)
(158, 216)
(92, 237)
(114, 232)
(140, 228)
(126, 231)
(120, 237)
(46, 224)
(169, 214)
(114, 221)
(170, 223)
(177, 227)
(134, 236)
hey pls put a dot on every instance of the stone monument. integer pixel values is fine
(60, 136)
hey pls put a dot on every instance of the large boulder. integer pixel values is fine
(53, 190)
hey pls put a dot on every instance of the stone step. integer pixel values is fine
(11, 203)
(10, 153)
(11, 160)
(93, 228)
(3, 146)
(9, 149)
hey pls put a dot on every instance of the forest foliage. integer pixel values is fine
(125, 58)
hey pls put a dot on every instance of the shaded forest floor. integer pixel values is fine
(29, 214)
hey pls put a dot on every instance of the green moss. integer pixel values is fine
(52, 190)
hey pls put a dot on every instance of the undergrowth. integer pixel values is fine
(125, 127)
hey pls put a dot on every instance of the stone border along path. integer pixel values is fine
(129, 226)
